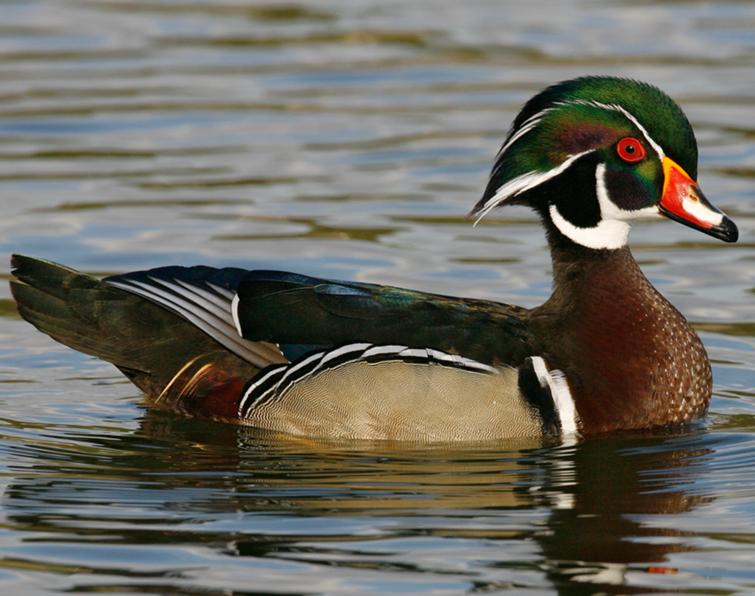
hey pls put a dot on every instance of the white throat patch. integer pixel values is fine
(612, 231)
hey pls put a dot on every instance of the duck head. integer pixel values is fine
(592, 154)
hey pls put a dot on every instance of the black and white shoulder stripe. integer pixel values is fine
(272, 383)
(547, 391)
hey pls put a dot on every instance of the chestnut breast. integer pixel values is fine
(631, 358)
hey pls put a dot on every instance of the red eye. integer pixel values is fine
(630, 149)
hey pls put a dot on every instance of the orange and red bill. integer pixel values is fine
(683, 201)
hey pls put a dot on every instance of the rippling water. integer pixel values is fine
(348, 138)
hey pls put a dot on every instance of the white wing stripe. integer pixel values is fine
(219, 301)
(235, 314)
(183, 306)
(217, 328)
(222, 314)
(199, 299)
(222, 291)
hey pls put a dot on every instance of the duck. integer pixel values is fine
(322, 358)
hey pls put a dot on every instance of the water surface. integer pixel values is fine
(348, 139)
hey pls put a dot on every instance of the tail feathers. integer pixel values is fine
(57, 280)
(148, 343)
(57, 319)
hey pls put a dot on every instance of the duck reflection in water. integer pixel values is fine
(574, 516)
(604, 493)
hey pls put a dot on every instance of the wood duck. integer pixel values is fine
(338, 359)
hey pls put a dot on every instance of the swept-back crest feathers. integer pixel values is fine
(569, 120)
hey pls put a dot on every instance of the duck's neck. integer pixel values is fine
(631, 358)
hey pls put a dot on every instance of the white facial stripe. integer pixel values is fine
(563, 401)
(612, 231)
(533, 121)
(530, 180)
(609, 209)
(523, 183)
(700, 212)
(644, 132)
(617, 108)
(528, 125)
